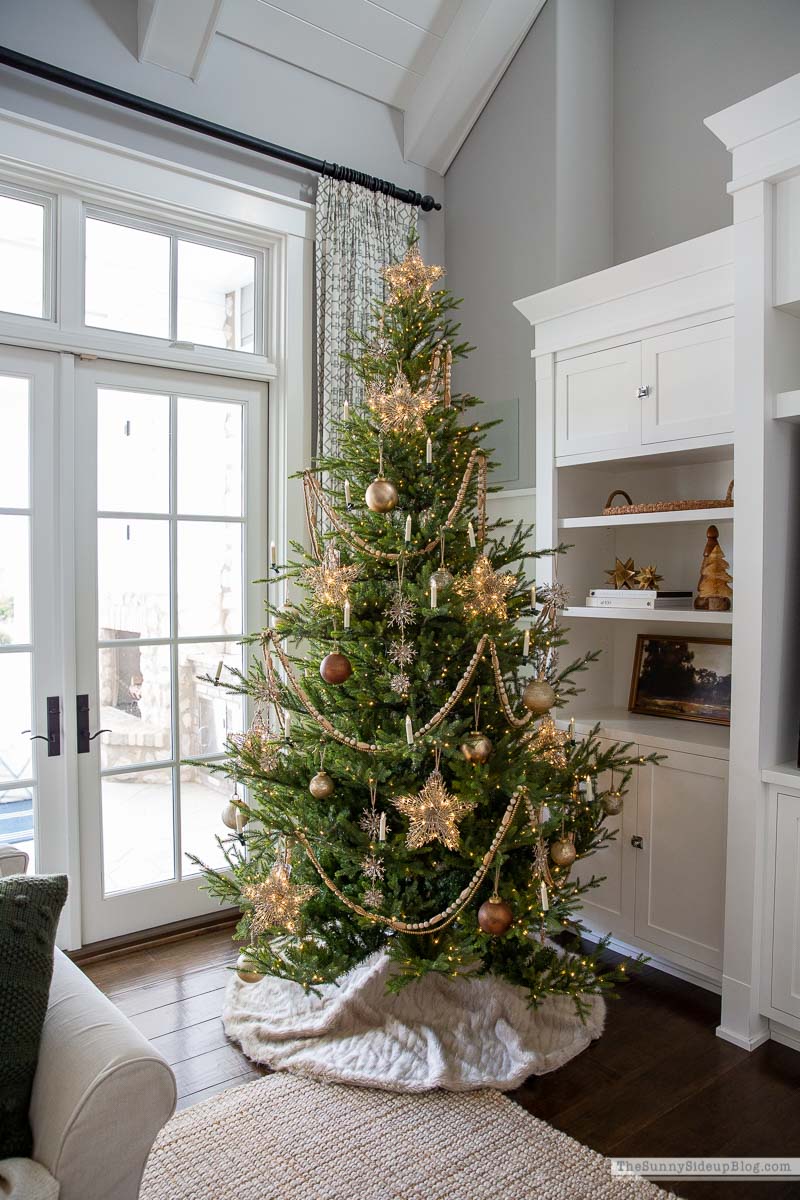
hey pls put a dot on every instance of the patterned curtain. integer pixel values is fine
(358, 233)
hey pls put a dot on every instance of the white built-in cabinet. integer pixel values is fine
(785, 948)
(664, 872)
(675, 386)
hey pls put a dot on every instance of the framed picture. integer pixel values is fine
(684, 677)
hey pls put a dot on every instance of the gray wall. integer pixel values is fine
(238, 86)
(529, 204)
(530, 198)
(677, 62)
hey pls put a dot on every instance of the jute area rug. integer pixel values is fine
(289, 1138)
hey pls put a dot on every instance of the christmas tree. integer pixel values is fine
(404, 790)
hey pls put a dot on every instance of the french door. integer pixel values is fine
(170, 532)
(32, 765)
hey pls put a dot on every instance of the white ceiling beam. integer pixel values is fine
(483, 38)
(176, 34)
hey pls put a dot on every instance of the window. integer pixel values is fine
(25, 254)
(157, 284)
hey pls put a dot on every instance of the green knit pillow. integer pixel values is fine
(30, 906)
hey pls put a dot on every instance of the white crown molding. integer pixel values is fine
(481, 42)
(762, 133)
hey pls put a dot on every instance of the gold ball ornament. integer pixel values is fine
(563, 852)
(335, 667)
(495, 916)
(229, 814)
(247, 970)
(321, 786)
(381, 496)
(442, 578)
(612, 803)
(477, 748)
(538, 696)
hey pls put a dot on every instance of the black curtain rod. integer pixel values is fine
(173, 116)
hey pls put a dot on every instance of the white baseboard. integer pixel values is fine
(785, 1035)
(744, 1043)
(661, 964)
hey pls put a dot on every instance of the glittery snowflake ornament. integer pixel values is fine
(373, 897)
(372, 867)
(276, 901)
(401, 610)
(433, 814)
(401, 654)
(400, 683)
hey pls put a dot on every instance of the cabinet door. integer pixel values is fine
(680, 867)
(597, 401)
(689, 374)
(609, 908)
(785, 943)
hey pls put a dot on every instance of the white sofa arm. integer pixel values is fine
(101, 1092)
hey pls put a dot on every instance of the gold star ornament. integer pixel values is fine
(484, 590)
(411, 275)
(433, 814)
(329, 581)
(547, 743)
(397, 408)
(276, 902)
(622, 573)
(648, 578)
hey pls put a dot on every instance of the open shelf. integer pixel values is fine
(683, 616)
(679, 517)
(711, 448)
(785, 775)
(787, 406)
(664, 733)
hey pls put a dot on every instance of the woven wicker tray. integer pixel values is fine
(617, 510)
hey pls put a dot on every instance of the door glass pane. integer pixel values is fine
(215, 297)
(133, 578)
(205, 425)
(135, 705)
(127, 279)
(15, 617)
(14, 444)
(203, 797)
(209, 578)
(207, 713)
(16, 823)
(15, 715)
(22, 257)
(132, 452)
(138, 835)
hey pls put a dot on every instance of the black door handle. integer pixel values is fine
(85, 738)
(53, 735)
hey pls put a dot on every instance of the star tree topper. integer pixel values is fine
(433, 814)
(410, 275)
(484, 590)
(276, 901)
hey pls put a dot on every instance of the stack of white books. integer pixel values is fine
(630, 598)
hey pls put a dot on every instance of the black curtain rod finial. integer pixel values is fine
(233, 137)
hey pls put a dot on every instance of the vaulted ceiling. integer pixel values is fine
(438, 61)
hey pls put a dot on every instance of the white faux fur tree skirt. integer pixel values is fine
(437, 1032)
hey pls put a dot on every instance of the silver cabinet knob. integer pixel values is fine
(643, 391)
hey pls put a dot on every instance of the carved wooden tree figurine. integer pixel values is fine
(714, 592)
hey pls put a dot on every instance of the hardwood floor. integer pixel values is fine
(658, 1082)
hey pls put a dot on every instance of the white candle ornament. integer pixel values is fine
(429, 452)
(408, 528)
(382, 828)
(219, 671)
(346, 409)
(409, 732)
(471, 535)
(533, 595)
(347, 614)
(347, 498)
(434, 594)
(526, 644)
(545, 901)
(273, 554)
(589, 789)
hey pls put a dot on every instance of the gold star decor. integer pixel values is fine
(433, 814)
(276, 901)
(258, 743)
(329, 581)
(648, 578)
(547, 742)
(411, 275)
(398, 408)
(484, 591)
(622, 573)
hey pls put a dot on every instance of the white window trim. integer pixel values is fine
(49, 203)
(78, 170)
